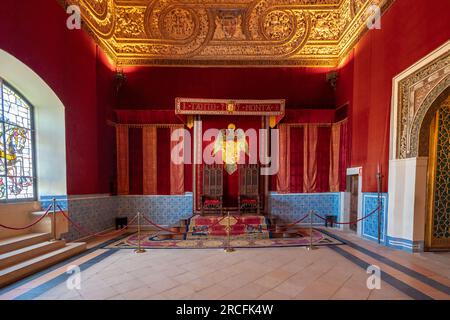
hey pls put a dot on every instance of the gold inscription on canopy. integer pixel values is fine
(220, 32)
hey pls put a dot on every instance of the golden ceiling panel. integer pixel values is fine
(226, 32)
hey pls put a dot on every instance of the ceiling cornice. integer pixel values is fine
(261, 33)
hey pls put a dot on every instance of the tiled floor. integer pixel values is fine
(272, 273)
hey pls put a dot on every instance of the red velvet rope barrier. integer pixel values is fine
(284, 226)
(350, 222)
(31, 224)
(218, 221)
(173, 232)
(90, 233)
(159, 227)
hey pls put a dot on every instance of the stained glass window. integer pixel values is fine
(17, 174)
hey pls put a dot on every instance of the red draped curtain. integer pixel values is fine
(123, 185)
(149, 160)
(284, 166)
(323, 158)
(313, 158)
(296, 159)
(310, 156)
(344, 154)
(144, 163)
(335, 157)
(176, 170)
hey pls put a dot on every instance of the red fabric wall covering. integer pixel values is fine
(283, 175)
(323, 159)
(176, 175)
(66, 60)
(296, 150)
(136, 160)
(188, 168)
(106, 132)
(409, 31)
(147, 116)
(163, 166)
(344, 86)
(310, 116)
(344, 155)
(157, 87)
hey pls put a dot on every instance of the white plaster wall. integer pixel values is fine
(49, 124)
(420, 199)
(407, 198)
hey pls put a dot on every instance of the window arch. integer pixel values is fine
(17, 156)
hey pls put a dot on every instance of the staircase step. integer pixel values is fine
(14, 257)
(28, 267)
(15, 243)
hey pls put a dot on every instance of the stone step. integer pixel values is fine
(28, 267)
(26, 253)
(15, 243)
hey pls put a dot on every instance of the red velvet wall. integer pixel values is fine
(67, 60)
(157, 87)
(409, 31)
(296, 161)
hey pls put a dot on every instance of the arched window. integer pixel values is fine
(17, 172)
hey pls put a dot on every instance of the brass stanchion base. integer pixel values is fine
(311, 248)
(140, 251)
(229, 250)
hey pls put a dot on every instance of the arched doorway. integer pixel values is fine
(435, 140)
(418, 93)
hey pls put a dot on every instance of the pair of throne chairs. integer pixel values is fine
(211, 200)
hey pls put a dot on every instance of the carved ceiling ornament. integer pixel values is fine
(417, 93)
(226, 32)
(178, 24)
(229, 25)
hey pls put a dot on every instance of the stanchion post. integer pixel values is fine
(379, 182)
(54, 220)
(311, 247)
(228, 248)
(139, 249)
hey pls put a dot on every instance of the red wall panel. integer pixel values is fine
(409, 31)
(157, 87)
(67, 60)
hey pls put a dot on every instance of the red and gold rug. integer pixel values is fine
(150, 240)
(214, 227)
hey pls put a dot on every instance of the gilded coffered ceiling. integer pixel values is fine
(226, 32)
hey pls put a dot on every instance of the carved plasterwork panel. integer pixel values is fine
(219, 32)
(417, 93)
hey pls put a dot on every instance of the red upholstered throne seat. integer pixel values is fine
(213, 202)
(211, 199)
(249, 199)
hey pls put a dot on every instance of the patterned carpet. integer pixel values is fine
(150, 240)
(215, 228)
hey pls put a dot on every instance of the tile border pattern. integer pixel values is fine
(293, 206)
(370, 225)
